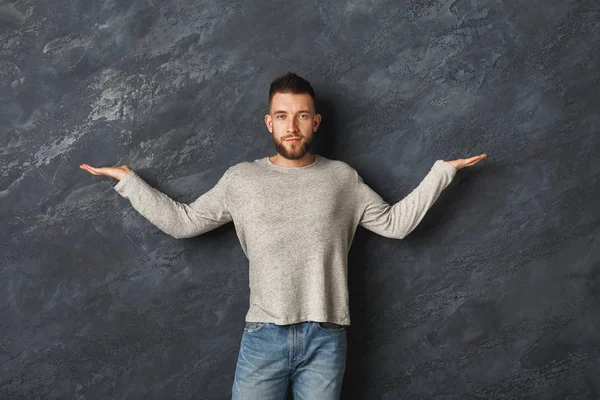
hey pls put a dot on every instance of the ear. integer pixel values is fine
(269, 123)
(316, 122)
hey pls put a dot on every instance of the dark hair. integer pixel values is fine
(291, 83)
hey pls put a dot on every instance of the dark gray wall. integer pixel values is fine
(496, 293)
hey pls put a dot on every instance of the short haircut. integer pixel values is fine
(291, 83)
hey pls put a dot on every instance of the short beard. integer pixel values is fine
(296, 154)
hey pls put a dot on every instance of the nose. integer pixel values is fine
(292, 125)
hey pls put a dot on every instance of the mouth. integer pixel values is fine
(293, 140)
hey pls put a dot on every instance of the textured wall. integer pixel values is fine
(496, 294)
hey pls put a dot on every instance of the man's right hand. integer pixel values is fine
(113, 172)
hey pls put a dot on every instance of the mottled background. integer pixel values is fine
(496, 294)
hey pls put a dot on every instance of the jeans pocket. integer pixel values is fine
(330, 327)
(251, 327)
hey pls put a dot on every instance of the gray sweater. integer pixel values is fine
(295, 225)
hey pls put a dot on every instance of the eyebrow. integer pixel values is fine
(284, 112)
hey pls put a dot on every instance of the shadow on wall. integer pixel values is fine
(323, 142)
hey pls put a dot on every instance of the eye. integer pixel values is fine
(280, 115)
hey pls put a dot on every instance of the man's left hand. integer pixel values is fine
(466, 162)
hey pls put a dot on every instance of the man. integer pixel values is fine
(295, 215)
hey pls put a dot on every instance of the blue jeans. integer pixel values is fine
(311, 356)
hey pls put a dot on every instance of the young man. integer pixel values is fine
(295, 215)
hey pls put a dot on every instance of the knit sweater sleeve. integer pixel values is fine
(179, 220)
(398, 220)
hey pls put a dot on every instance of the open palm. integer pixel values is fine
(466, 162)
(114, 172)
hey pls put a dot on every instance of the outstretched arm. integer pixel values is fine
(398, 220)
(177, 219)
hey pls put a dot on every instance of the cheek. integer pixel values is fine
(307, 127)
(278, 133)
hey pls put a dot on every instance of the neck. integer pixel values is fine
(307, 159)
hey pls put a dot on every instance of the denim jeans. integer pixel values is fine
(310, 356)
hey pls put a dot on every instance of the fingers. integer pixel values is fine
(467, 162)
(479, 158)
(474, 160)
(90, 169)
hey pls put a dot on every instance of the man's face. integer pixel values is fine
(292, 116)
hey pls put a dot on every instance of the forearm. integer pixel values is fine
(410, 211)
(174, 218)
(398, 220)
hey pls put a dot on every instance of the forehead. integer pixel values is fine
(291, 102)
